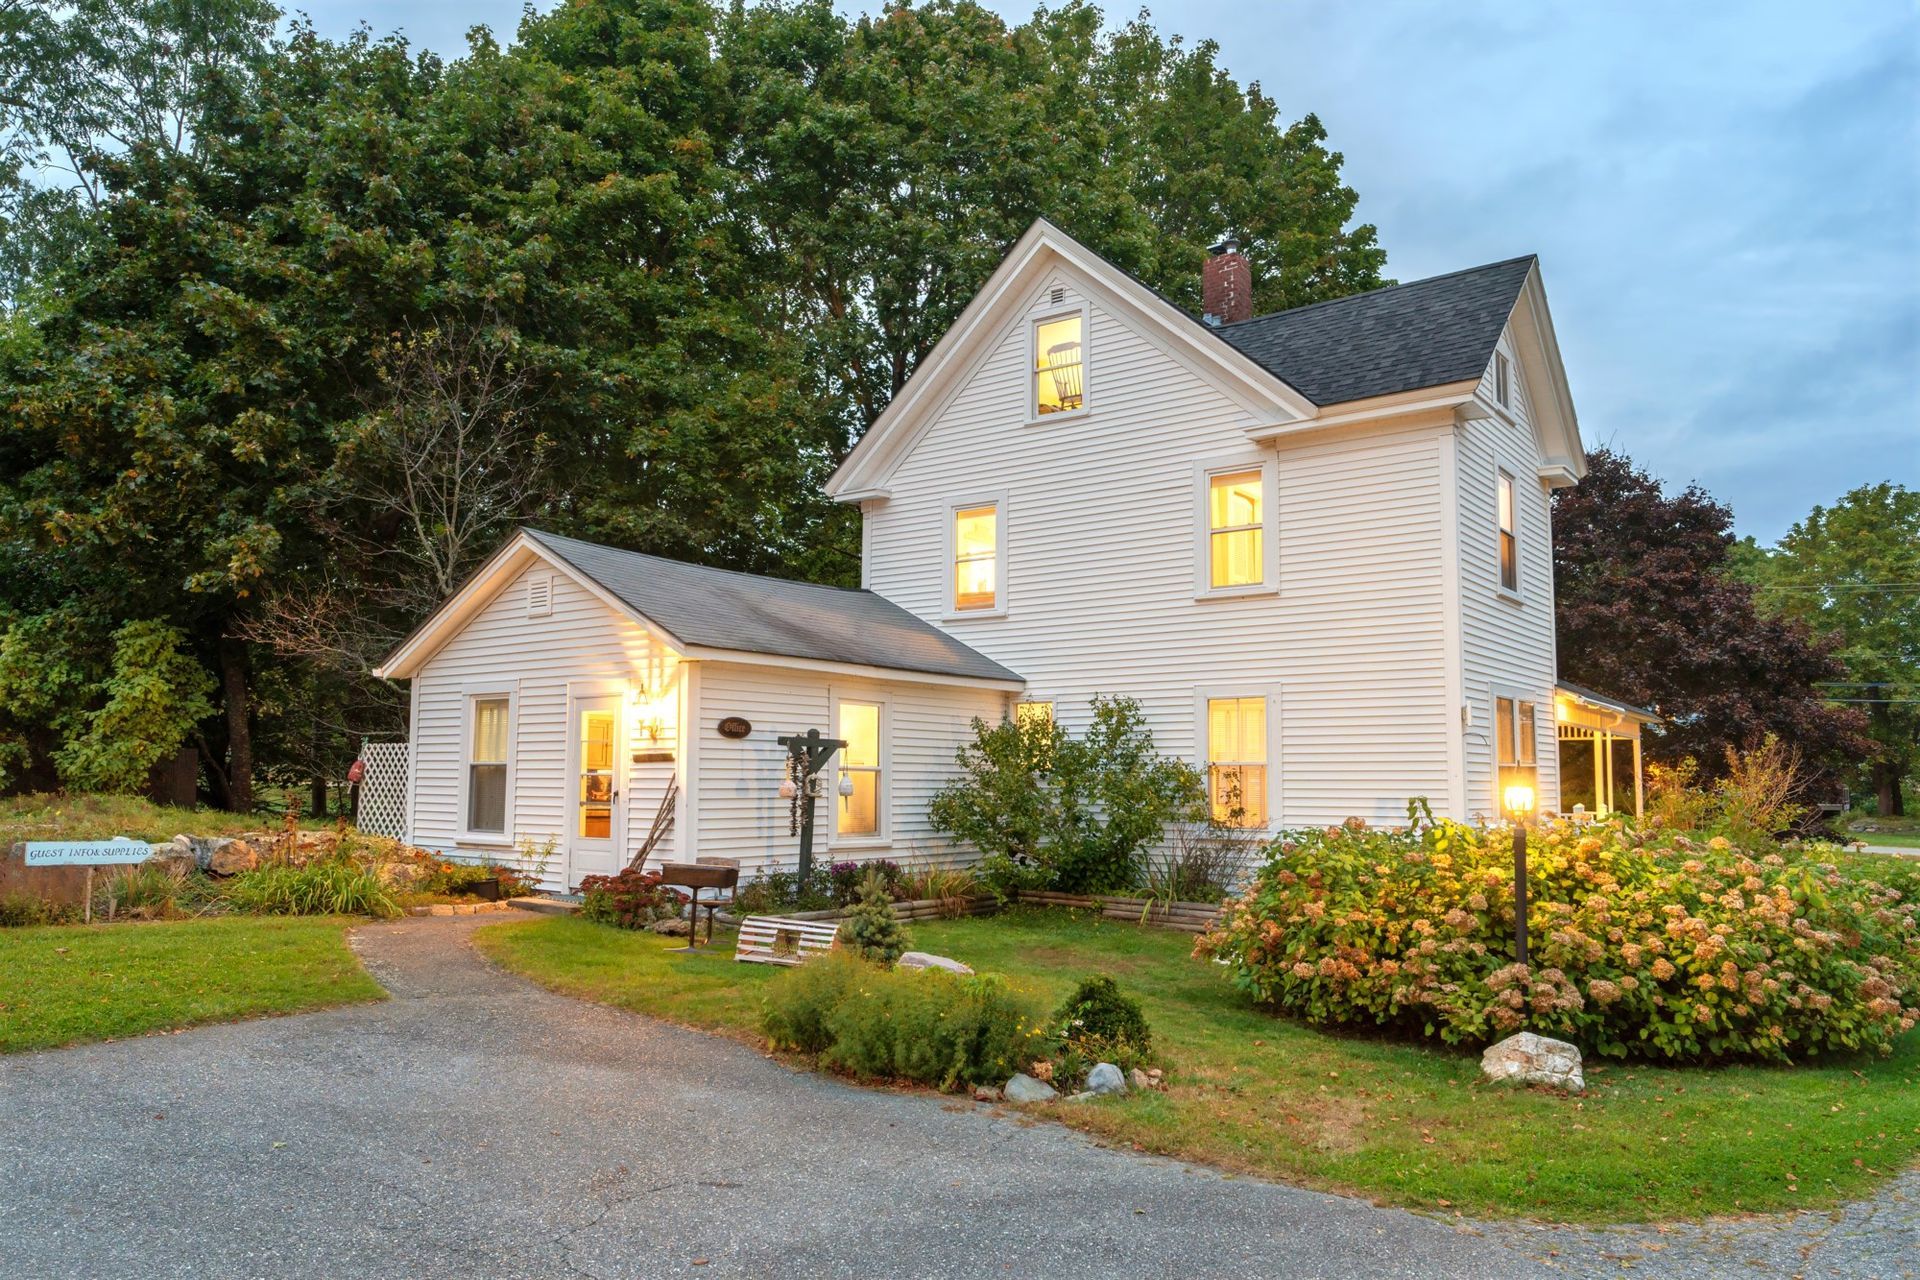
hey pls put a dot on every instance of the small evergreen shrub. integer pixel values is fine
(336, 887)
(929, 1026)
(1643, 940)
(871, 930)
(632, 899)
(1098, 1023)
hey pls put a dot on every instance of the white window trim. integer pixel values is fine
(469, 694)
(1053, 711)
(1203, 472)
(1203, 749)
(1031, 390)
(997, 499)
(1514, 695)
(883, 793)
(1516, 594)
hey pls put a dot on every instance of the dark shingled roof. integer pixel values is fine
(1400, 338)
(722, 609)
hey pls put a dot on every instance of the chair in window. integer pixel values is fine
(1063, 362)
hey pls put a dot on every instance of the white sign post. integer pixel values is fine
(119, 851)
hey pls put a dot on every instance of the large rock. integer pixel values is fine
(1530, 1059)
(1105, 1080)
(927, 960)
(176, 855)
(671, 927)
(231, 857)
(1024, 1088)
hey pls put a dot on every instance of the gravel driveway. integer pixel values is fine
(475, 1126)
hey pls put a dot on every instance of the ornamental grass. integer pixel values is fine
(1644, 942)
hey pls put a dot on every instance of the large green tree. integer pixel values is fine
(650, 271)
(1853, 570)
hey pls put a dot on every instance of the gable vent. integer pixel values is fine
(539, 596)
(1059, 295)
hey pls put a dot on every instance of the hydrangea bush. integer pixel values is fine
(1643, 941)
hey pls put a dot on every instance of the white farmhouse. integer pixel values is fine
(1314, 546)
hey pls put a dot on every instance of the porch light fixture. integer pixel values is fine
(1517, 801)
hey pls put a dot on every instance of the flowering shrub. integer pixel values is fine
(632, 899)
(1643, 941)
(931, 1026)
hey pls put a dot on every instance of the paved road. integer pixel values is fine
(475, 1126)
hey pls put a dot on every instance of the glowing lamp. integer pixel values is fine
(1518, 801)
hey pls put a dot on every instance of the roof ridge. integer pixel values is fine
(1371, 293)
(694, 564)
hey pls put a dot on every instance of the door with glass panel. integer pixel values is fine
(596, 827)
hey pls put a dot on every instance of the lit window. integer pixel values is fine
(596, 773)
(1031, 714)
(1515, 746)
(487, 766)
(1234, 530)
(859, 812)
(1509, 542)
(1502, 379)
(976, 558)
(1059, 365)
(1237, 761)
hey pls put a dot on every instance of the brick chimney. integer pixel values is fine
(1226, 284)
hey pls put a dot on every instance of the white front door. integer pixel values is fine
(598, 825)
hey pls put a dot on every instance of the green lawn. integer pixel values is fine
(1898, 839)
(70, 983)
(1403, 1123)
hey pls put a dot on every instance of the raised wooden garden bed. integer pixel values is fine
(1188, 917)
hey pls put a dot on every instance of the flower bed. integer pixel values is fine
(1643, 942)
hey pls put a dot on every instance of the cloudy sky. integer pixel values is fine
(1725, 197)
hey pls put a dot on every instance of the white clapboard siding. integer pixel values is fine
(1100, 574)
(1506, 644)
(578, 641)
(740, 812)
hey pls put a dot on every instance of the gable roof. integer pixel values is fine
(1404, 337)
(710, 613)
(1286, 368)
(750, 613)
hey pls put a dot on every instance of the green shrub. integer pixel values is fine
(1643, 941)
(630, 900)
(143, 891)
(336, 887)
(1098, 1023)
(871, 930)
(24, 910)
(782, 891)
(1052, 811)
(925, 1025)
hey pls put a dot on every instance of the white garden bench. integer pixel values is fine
(780, 940)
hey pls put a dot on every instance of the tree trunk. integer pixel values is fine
(233, 686)
(1886, 785)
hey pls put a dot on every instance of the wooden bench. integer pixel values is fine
(779, 940)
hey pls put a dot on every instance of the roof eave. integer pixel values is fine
(1009, 683)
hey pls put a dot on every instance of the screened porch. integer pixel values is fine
(1599, 740)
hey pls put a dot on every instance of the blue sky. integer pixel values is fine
(1725, 198)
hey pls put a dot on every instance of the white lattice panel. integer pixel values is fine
(383, 789)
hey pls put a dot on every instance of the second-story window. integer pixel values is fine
(1502, 380)
(976, 558)
(1235, 550)
(1509, 537)
(1059, 364)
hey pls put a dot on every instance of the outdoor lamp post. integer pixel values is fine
(1517, 799)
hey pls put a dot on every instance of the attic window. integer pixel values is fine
(539, 596)
(1059, 364)
(1502, 380)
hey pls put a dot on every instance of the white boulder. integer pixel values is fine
(927, 960)
(1530, 1059)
